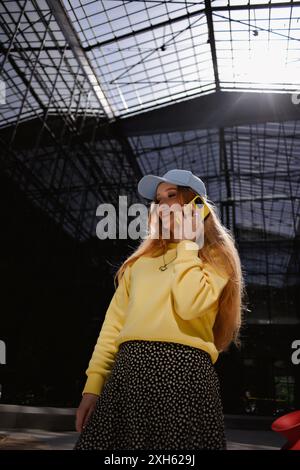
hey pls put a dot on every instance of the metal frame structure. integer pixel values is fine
(79, 74)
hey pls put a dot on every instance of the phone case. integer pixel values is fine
(204, 211)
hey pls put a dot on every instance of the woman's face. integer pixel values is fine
(167, 194)
(188, 223)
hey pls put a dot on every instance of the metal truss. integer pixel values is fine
(75, 71)
(65, 169)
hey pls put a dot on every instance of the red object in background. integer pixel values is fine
(289, 426)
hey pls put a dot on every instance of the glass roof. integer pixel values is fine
(42, 72)
(258, 49)
(71, 73)
(143, 53)
(140, 55)
(148, 53)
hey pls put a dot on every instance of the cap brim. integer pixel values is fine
(148, 184)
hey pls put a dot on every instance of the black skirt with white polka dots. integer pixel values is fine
(159, 396)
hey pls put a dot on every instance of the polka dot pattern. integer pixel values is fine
(158, 396)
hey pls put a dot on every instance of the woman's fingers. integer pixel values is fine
(192, 223)
(79, 420)
(87, 417)
(85, 409)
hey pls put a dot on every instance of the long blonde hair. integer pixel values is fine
(220, 251)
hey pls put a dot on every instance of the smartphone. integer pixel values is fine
(198, 202)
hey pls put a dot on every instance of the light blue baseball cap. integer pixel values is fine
(148, 184)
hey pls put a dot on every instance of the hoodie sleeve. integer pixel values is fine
(105, 349)
(196, 286)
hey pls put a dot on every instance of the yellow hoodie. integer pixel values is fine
(179, 305)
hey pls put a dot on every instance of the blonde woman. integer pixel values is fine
(151, 381)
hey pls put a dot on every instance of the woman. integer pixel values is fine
(151, 379)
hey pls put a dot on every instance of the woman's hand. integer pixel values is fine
(189, 225)
(85, 409)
